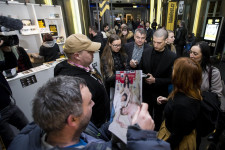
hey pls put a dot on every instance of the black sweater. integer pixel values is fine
(10, 62)
(181, 116)
(101, 109)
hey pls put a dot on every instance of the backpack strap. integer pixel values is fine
(9, 92)
(210, 78)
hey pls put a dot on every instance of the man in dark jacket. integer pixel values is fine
(136, 24)
(135, 49)
(157, 63)
(97, 37)
(62, 109)
(180, 39)
(149, 32)
(9, 112)
(79, 50)
(154, 25)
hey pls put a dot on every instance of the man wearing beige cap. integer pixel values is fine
(79, 50)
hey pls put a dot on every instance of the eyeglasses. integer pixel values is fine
(116, 45)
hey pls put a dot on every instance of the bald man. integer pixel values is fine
(157, 63)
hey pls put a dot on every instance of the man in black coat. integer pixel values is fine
(135, 49)
(157, 63)
(154, 25)
(180, 39)
(149, 32)
(79, 50)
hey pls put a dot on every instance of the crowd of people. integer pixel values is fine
(72, 110)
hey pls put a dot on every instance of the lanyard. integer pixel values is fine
(87, 69)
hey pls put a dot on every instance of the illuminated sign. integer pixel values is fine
(212, 28)
(171, 15)
(211, 32)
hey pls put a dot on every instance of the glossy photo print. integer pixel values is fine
(127, 98)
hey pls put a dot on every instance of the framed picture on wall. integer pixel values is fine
(53, 30)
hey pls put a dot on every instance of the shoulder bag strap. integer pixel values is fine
(210, 78)
(10, 93)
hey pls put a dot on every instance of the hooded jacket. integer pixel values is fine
(30, 138)
(49, 50)
(128, 38)
(101, 109)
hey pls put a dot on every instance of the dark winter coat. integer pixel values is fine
(101, 109)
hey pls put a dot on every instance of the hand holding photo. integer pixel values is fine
(127, 100)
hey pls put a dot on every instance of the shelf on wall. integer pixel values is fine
(53, 18)
(29, 33)
(61, 43)
(31, 37)
(45, 32)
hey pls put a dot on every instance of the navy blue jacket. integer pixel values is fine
(30, 138)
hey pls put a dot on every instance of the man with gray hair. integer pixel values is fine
(135, 49)
(62, 110)
(157, 63)
(80, 50)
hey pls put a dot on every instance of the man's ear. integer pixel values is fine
(166, 40)
(72, 120)
(76, 56)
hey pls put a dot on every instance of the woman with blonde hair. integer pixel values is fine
(183, 106)
(113, 59)
(170, 41)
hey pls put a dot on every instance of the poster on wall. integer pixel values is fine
(172, 7)
(212, 28)
(180, 8)
(41, 23)
(127, 98)
(26, 22)
(53, 30)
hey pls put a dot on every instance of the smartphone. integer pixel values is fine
(145, 75)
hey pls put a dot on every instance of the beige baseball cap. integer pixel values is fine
(79, 42)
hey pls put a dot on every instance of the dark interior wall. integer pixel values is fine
(85, 17)
(140, 13)
(68, 17)
(61, 3)
(222, 9)
(201, 18)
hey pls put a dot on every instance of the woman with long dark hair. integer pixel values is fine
(211, 80)
(113, 59)
(200, 52)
